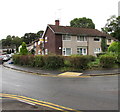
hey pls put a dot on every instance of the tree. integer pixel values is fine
(17, 42)
(9, 40)
(82, 22)
(112, 27)
(12, 51)
(32, 51)
(40, 33)
(104, 45)
(23, 49)
(30, 37)
(114, 47)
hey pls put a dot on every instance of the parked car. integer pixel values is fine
(1, 59)
(5, 57)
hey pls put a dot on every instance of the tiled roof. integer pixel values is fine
(77, 31)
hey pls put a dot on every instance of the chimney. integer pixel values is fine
(57, 22)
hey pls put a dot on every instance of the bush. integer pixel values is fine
(53, 62)
(23, 59)
(118, 58)
(90, 58)
(99, 54)
(67, 61)
(16, 59)
(31, 60)
(107, 61)
(23, 49)
(79, 62)
(39, 62)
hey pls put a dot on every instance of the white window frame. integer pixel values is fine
(46, 51)
(46, 39)
(97, 38)
(82, 50)
(84, 39)
(97, 50)
(66, 36)
(64, 50)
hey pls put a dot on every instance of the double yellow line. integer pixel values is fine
(38, 102)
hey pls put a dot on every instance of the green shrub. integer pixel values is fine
(23, 49)
(107, 61)
(99, 54)
(118, 58)
(67, 61)
(39, 62)
(53, 62)
(23, 60)
(16, 59)
(31, 60)
(79, 62)
(90, 58)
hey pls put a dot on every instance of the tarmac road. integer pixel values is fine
(91, 93)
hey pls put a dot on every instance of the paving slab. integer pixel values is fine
(67, 74)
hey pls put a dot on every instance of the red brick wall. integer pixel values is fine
(50, 44)
(58, 44)
(53, 42)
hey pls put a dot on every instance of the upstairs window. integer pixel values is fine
(81, 38)
(97, 39)
(66, 37)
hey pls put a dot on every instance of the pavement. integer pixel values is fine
(59, 73)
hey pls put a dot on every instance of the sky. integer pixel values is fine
(18, 17)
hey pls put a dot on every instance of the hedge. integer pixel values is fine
(39, 62)
(53, 62)
(107, 61)
(79, 61)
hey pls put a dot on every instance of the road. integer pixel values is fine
(92, 93)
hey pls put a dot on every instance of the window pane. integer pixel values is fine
(68, 51)
(84, 51)
(96, 39)
(66, 37)
(81, 38)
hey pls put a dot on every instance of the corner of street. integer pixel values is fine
(39, 71)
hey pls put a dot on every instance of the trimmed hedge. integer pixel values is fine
(39, 62)
(56, 62)
(79, 61)
(107, 61)
(23, 59)
(53, 62)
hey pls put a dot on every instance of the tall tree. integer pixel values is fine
(9, 40)
(17, 42)
(29, 37)
(82, 22)
(112, 27)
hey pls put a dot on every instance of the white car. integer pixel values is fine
(5, 57)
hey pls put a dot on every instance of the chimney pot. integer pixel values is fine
(57, 22)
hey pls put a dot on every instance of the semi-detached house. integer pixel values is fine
(66, 40)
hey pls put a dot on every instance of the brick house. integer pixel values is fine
(66, 40)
